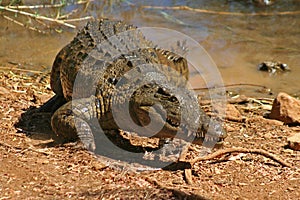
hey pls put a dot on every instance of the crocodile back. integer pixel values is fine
(104, 39)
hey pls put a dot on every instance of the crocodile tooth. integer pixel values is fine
(200, 135)
(189, 133)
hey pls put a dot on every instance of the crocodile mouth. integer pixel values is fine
(200, 137)
(173, 127)
(216, 140)
(196, 136)
(172, 122)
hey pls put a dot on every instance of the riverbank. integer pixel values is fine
(35, 165)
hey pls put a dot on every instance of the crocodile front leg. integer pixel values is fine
(53, 104)
(72, 121)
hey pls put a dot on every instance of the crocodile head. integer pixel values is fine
(160, 113)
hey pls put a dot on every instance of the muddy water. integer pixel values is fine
(235, 34)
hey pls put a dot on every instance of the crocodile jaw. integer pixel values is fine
(172, 128)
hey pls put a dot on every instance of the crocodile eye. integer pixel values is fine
(162, 91)
(173, 99)
(129, 64)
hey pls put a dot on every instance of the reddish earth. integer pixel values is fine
(35, 165)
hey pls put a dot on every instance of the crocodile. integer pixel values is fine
(101, 56)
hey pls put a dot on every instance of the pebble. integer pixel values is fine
(294, 142)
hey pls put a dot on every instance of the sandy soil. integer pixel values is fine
(34, 164)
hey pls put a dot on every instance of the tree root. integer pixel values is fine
(242, 150)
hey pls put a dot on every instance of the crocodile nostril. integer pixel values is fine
(112, 80)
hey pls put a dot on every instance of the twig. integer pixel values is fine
(78, 19)
(242, 150)
(23, 149)
(37, 17)
(268, 100)
(37, 6)
(22, 70)
(37, 151)
(7, 146)
(45, 6)
(21, 24)
(232, 85)
(188, 176)
(219, 12)
(43, 23)
(187, 172)
(63, 17)
(184, 152)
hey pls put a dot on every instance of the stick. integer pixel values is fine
(232, 85)
(188, 176)
(37, 17)
(78, 19)
(219, 12)
(24, 149)
(21, 24)
(46, 6)
(37, 6)
(63, 17)
(242, 150)
(184, 152)
(22, 70)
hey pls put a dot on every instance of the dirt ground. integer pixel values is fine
(34, 164)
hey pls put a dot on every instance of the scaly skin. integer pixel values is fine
(108, 74)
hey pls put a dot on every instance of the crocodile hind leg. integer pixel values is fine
(73, 121)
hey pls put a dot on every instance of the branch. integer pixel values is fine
(78, 19)
(242, 150)
(46, 6)
(232, 85)
(21, 24)
(219, 12)
(37, 6)
(37, 17)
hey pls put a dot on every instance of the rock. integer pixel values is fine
(265, 121)
(286, 109)
(240, 99)
(233, 114)
(232, 111)
(294, 142)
